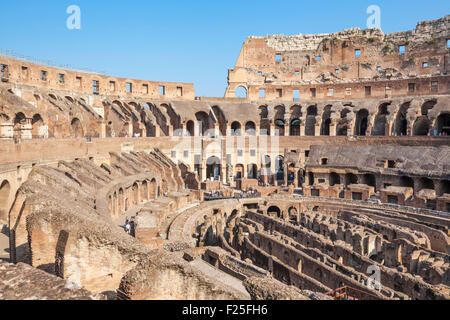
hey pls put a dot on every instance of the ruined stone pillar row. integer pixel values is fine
(228, 129)
(6, 130)
(216, 129)
(272, 130)
(333, 128)
(130, 130)
(197, 129)
(25, 130)
(317, 129)
(296, 177)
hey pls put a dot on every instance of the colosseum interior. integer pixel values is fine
(333, 167)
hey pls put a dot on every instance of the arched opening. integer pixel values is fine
(76, 128)
(135, 193)
(264, 121)
(213, 168)
(443, 124)
(425, 183)
(350, 178)
(310, 178)
(379, 127)
(295, 127)
(334, 179)
(37, 123)
(241, 92)
(220, 118)
(239, 171)
(250, 128)
(326, 122)
(422, 126)
(190, 128)
(203, 120)
(236, 128)
(293, 214)
(362, 122)
(153, 189)
(266, 162)
(401, 123)
(370, 180)
(252, 171)
(144, 190)
(444, 187)
(274, 211)
(5, 190)
(279, 127)
(406, 182)
(310, 126)
(279, 167)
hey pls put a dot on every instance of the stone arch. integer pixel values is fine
(294, 129)
(236, 128)
(310, 125)
(135, 193)
(401, 122)
(334, 179)
(279, 121)
(350, 178)
(144, 190)
(443, 124)
(343, 123)
(121, 200)
(250, 128)
(190, 128)
(425, 183)
(241, 92)
(406, 182)
(213, 168)
(239, 171)
(36, 123)
(219, 116)
(422, 126)
(153, 189)
(5, 190)
(326, 121)
(444, 187)
(293, 213)
(264, 120)
(361, 122)
(204, 122)
(76, 128)
(274, 211)
(370, 180)
(380, 123)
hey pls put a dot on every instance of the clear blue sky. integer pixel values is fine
(189, 41)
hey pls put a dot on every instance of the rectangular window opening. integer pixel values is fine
(402, 49)
(368, 91)
(179, 91)
(278, 57)
(358, 53)
(313, 92)
(145, 88)
(44, 75)
(129, 87)
(262, 93)
(61, 78)
(162, 90)
(96, 87)
(296, 94)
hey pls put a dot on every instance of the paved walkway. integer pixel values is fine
(219, 276)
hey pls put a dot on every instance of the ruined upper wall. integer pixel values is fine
(20, 72)
(353, 62)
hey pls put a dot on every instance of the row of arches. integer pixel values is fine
(124, 198)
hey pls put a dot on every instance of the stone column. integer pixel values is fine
(25, 130)
(296, 177)
(170, 130)
(6, 130)
(285, 174)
